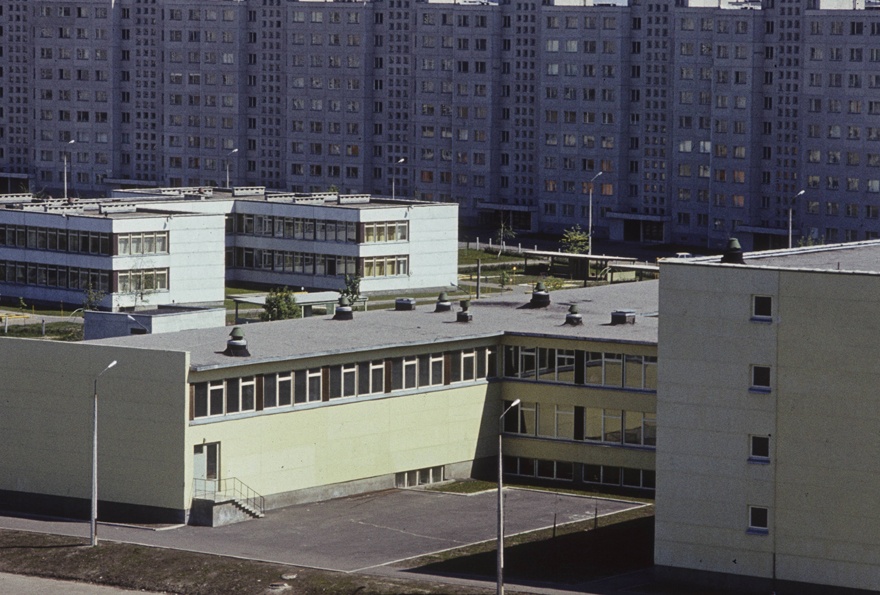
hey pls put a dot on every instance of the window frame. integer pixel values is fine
(758, 525)
(754, 384)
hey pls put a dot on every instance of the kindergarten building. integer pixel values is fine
(302, 410)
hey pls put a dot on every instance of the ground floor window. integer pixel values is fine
(620, 476)
(417, 477)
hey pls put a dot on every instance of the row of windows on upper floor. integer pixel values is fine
(570, 422)
(300, 228)
(285, 390)
(574, 366)
(80, 241)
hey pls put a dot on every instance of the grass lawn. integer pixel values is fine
(57, 331)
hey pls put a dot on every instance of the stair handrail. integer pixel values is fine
(230, 488)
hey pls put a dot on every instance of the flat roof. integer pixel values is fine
(386, 328)
(852, 257)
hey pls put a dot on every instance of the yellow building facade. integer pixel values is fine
(321, 408)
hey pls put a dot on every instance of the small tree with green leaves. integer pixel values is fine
(575, 240)
(352, 289)
(280, 305)
(92, 298)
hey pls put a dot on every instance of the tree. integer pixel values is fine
(352, 289)
(504, 232)
(92, 298)
(280, 305)
(575, 240)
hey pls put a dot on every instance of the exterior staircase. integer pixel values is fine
(232, 491)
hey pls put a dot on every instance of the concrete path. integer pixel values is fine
(365, 533)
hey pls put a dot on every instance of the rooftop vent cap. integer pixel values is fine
(540, 296)
(623, 317)
(405, 304)
(733, 254)
(344, 310)
(443, 304)
(464, 315)
(573, 318)
(236, 346)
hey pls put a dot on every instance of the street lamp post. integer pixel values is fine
(231, 153)
(590, 221)
(65, 168)
(500, 562)
(393, 173)
(790, 206)
(94, 516)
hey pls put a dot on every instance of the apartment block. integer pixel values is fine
(767, 421)
(705, 118)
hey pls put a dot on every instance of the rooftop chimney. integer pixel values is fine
(343, 310)
(733, 254)
(443, 304)
(236, 346)
(573, 318)
(464, 315)
(540, 296)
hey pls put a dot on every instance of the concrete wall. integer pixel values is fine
(100, 325)
(820, 413)
(46, 423)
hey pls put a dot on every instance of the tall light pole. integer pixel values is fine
(393, 172)
(590, 224)
(94, 517)
(65, 168)
(230, 154)
(500, 564)
(790, 206)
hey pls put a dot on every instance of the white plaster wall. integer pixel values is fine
(705, 414)
(822, 415)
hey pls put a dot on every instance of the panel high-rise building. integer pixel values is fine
(706, 118)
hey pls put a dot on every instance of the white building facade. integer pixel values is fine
(147, 248)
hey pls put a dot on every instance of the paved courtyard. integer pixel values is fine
(360, 532)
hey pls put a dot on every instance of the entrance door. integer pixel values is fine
(206, 458)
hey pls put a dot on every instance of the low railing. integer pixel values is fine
(223, 490)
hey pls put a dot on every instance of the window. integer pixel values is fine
(208, 398)
(761, 378)
(759, 449)
(241, 394)
(277, 390)
(759, 519)
(762, 306)
(307, 386)
(522, 420)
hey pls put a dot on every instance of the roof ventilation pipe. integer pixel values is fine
(464, 314)
(443, 303)
(733, 254)
(540, 296)
(236, 346)
(344, 310)
(573, 318)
